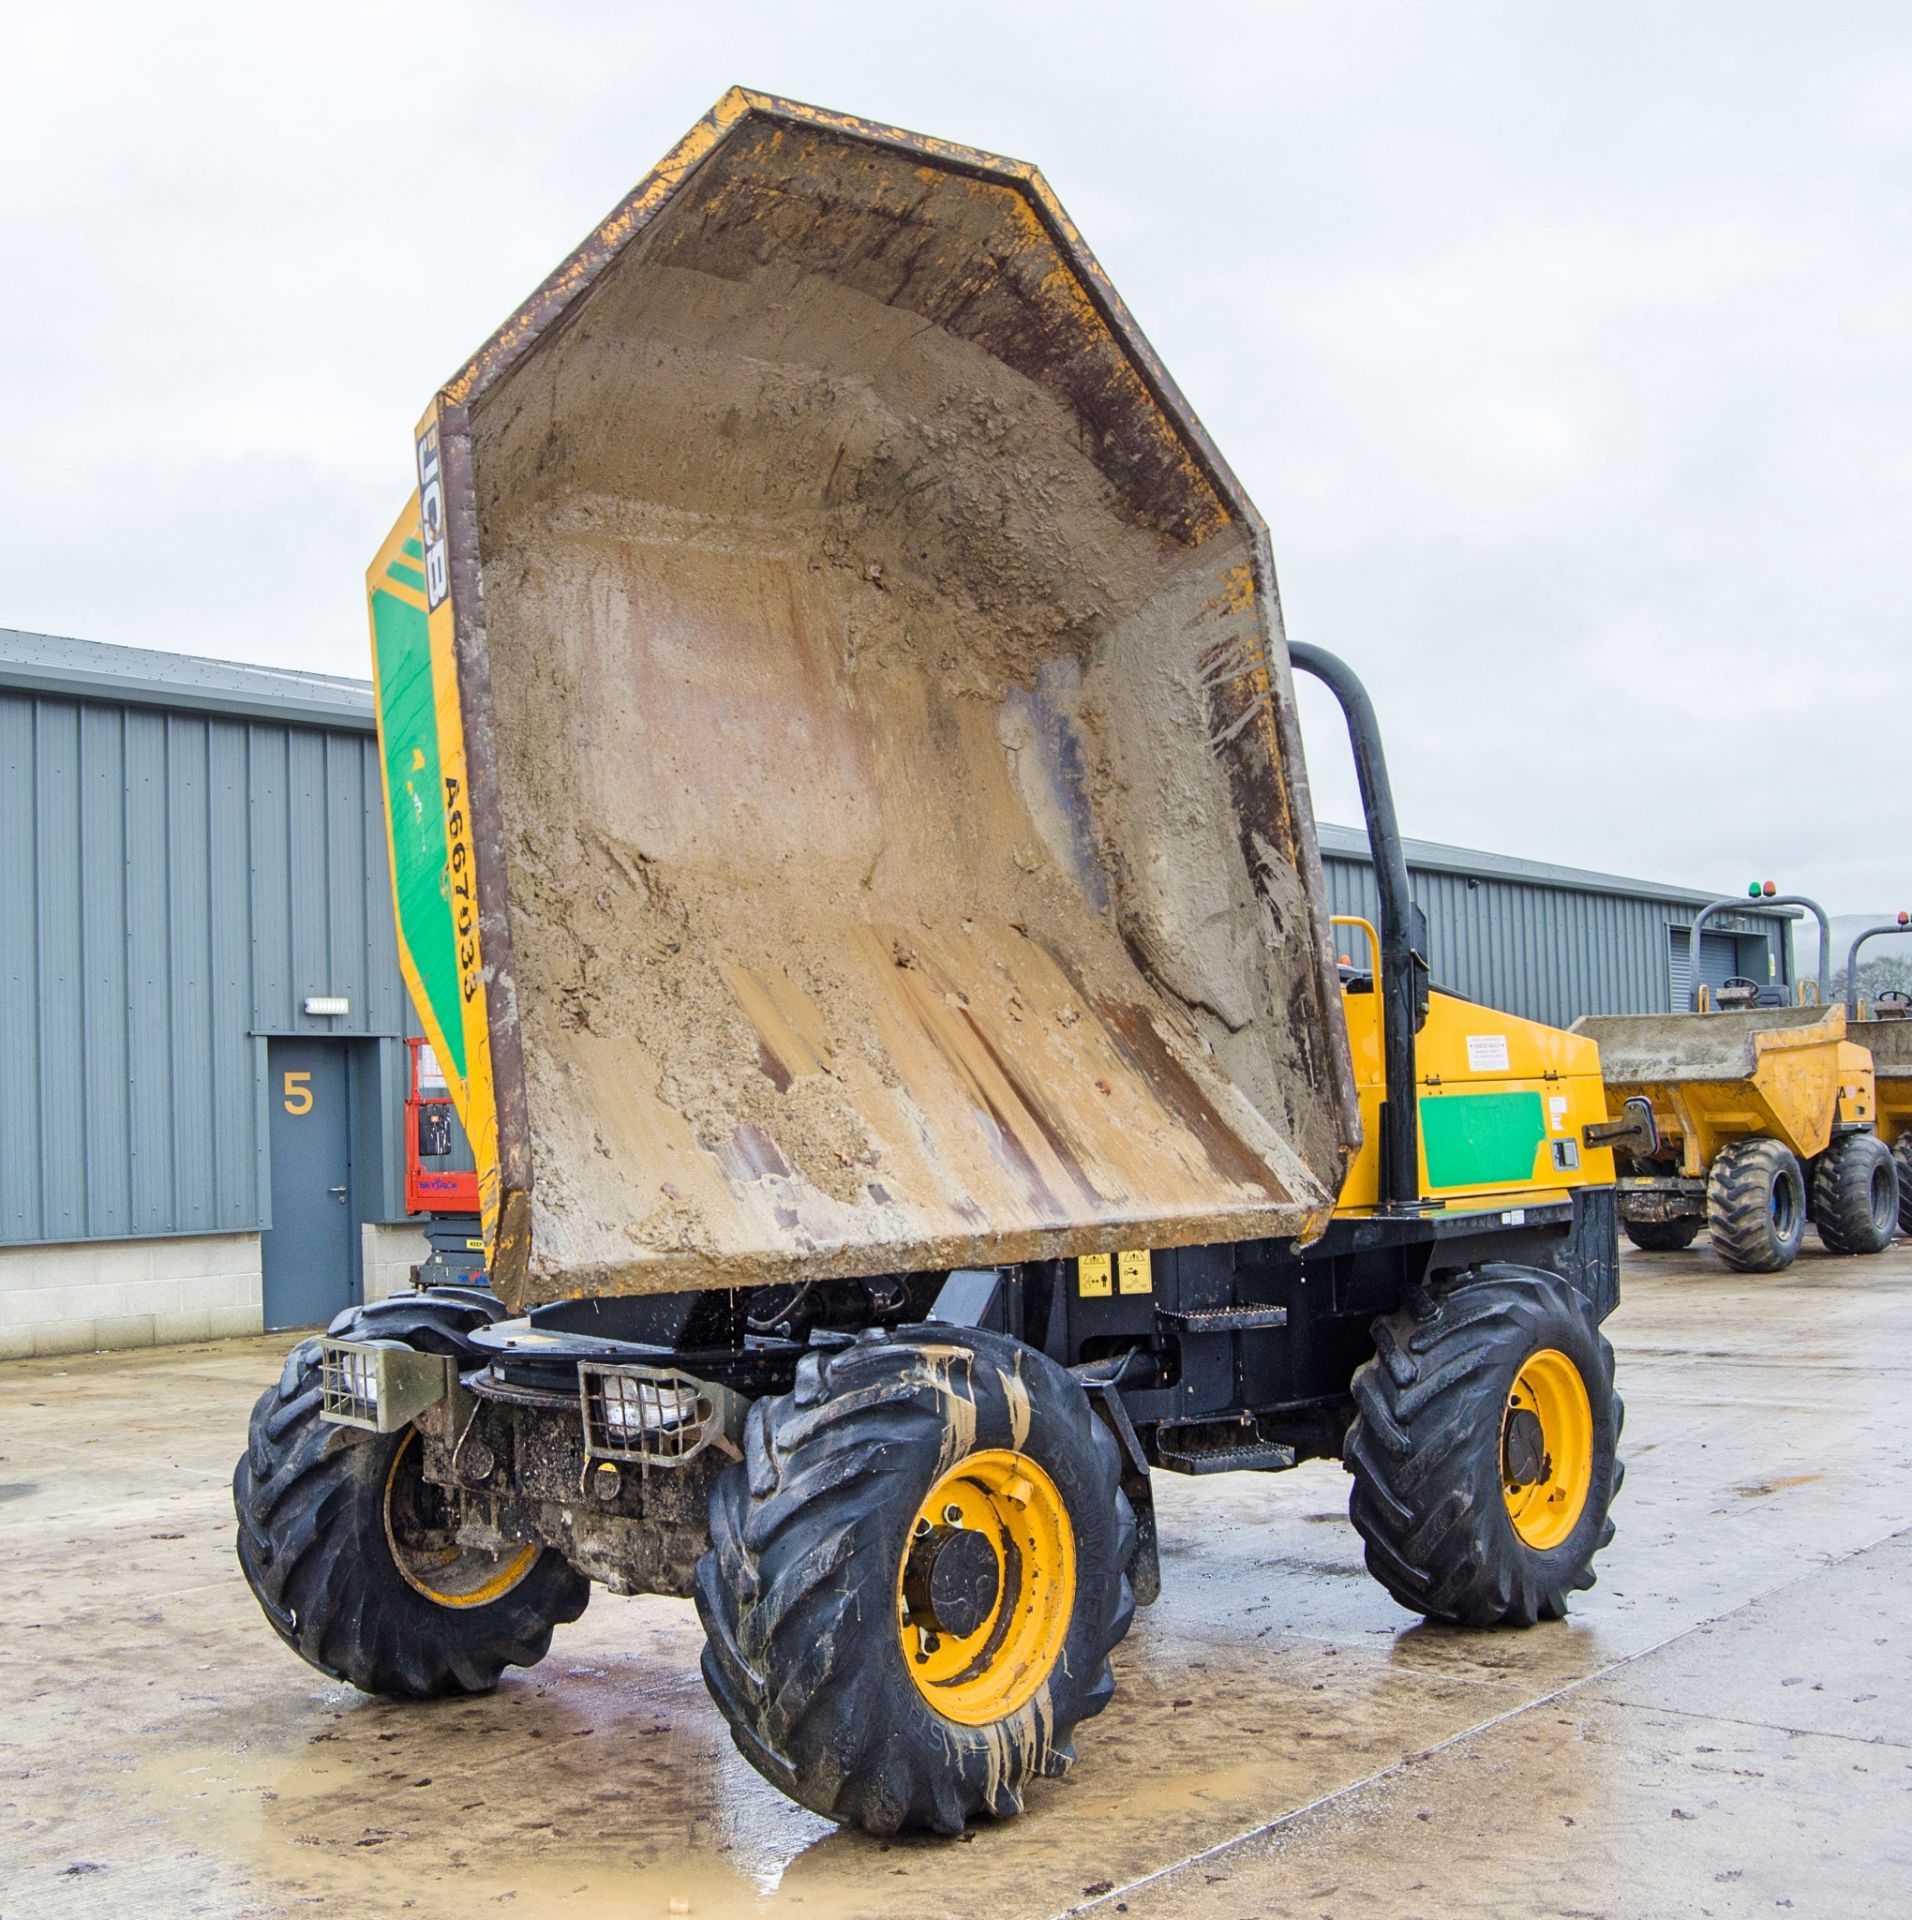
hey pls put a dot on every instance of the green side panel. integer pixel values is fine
(421, 854)
(1482, 1139)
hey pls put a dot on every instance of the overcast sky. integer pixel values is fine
(1567, 351)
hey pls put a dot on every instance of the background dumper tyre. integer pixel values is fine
(1429, 1450)
(1756, 1205)
(1855, 1195)
(313, 1501)
(807, 1656)
(1663, 1236)
(1902, 1160)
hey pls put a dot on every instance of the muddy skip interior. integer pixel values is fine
(903, 850)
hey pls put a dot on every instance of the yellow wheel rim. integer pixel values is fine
(1010, 1613)
(427, 1559)
(1545, 1474)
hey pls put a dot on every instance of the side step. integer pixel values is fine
(1269, 1455)
(1221, 1319)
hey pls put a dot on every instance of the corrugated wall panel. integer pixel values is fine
(19, 980)
(269, 813)
(60, 1053)
(235, 1161)
(189, 938)
(149, 1040)
(177, 883)
(109, 1200)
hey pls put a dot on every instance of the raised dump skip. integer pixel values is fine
(887, 810)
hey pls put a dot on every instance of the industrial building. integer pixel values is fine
(202, 1018)
(1551, 943)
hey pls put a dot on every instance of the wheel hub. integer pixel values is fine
(1546, 1449)
(952, 1580)
(1524, 1449)
(985, 1586)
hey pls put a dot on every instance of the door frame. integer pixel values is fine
(354, 1186)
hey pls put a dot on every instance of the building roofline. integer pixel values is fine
(1431, 856)
(65, 668)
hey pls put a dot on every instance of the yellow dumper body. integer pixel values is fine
(1888, 1044)
(1503, 1105)
(1783, 1073)
(846, 801)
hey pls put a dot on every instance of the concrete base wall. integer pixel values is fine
(128, 1293)
(89, 1294)
(389, 1254)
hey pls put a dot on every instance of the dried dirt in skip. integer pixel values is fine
(806, 620)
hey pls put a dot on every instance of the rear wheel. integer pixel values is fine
(1855, 1195)
(1756, 1205)
(1484, 1452)
(916, 1576)
(353, 1554)
(1902, 1161)
(1663, 1236)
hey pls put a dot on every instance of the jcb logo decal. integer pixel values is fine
(431, 514)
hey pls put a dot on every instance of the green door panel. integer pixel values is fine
(1482, 1139)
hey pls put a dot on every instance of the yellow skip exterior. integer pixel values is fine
(428, 830)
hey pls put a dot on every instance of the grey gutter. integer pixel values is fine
(63, 668)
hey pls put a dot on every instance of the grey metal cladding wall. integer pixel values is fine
(1542, 951)
(174, 884)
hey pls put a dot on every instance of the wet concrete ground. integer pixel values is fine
(1724, 1727)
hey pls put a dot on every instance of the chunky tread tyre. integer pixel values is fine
(1902, 1160)
(1663, 1236)
(1756, 1205)
(798, 1591)
(1855, 1195)
(310, 1498)
(1425, 1449)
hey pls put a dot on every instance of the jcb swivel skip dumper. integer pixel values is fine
(854, 866)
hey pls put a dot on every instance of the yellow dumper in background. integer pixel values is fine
(1749, 1121)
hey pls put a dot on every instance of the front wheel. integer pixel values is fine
(1484, 1449)
(1756, 1205)
(352, 1553)
(916, 1576)
(1902, 1161)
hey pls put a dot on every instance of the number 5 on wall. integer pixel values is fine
(298, 1093)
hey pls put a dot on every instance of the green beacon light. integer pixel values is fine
(1752, 891)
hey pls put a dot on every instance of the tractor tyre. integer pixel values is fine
(917, 1573)
(1855, 1195)
(1663, 1236)
(348, 1548)
(1902, 1160)
(1484, 1449)
(1756, 1205)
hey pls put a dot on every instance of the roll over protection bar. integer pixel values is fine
(1403, 981)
